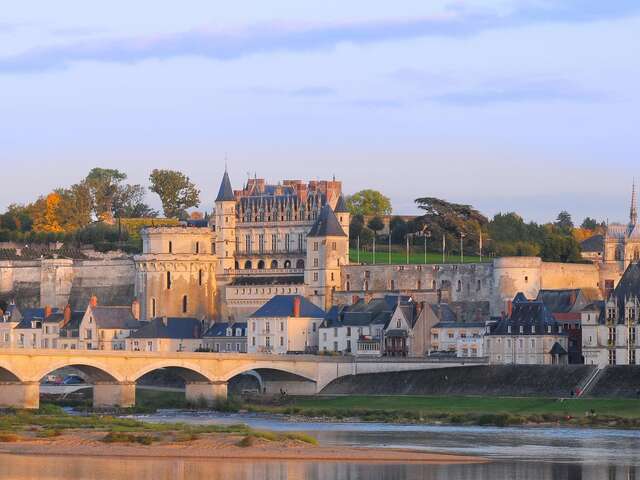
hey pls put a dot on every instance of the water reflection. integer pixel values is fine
(67, 468)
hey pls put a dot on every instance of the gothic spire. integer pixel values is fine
(225, 194)
(634, 205)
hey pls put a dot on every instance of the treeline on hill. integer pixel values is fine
(102, 209)
(506, 234)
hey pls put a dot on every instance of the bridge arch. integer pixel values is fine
(188, 372)
(7, 375)
(261, 366)
(91, 370)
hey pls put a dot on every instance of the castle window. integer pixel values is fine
(274, 264)
(168, 280)
(287, 264)
(315, 276)
(261, 243)
(478, 286)
(315, 246)
(261, 265)
(287, 242)
(419, 285)
(170, 247)
(332, 279)
(459, 286)
(184, 304)
(300, 242)
(274, 243)
(526, 279)
(200, 277)
(247, 265)
(393, 285)
(247, 243)
(153, 307)
(334, 246)
(197, 247)
(348, 286)
(315, 262)
(300, 263)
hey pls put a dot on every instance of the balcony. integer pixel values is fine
(270, 253)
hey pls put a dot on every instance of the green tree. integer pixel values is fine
(375, 224)
(177, 193)
(369, 202)
(399, 229)
(564, 221)
(129, 203)
(589, 224)
(104, 185)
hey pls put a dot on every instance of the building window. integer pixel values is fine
(459, 286)
(282, 326)
(247, 243)
(261, 243)
(274, 243)
(168, 280)
(612, 357)
(170, 247)
(287, 242)
(315, 246)
(153, 307)
(184, 304)
(315, 276)
(197, 247)
(313, 327)
(332, 277)
(200, 277)
(334, 246)
(300, 242)
(253, 341)
(315, 262)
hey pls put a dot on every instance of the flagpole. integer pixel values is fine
(374, 248)
(407, 249)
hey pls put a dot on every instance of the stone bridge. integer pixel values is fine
(114, 374)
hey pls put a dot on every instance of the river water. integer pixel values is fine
(515, 453)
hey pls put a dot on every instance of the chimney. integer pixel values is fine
(135, 309)
(67, 314)
(93, 301)
(47, 311)
(296, 306)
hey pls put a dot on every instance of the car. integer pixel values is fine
(73, 380)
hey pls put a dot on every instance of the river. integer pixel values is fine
(515, 453)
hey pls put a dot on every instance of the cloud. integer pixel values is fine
(307, 91)
(518, 91)
(265, 38)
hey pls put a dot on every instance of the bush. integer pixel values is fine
(120, 437)
(48, 433)
(6, 437)
(248, 441)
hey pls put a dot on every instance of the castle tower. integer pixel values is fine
(175, 274)
(344, 217)
(225, 221)
(327, 250)
(633, 217)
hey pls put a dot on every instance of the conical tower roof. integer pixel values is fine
(327, 224)
(225, 194)
(341, 205)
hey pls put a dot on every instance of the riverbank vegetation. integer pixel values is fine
(52, 421)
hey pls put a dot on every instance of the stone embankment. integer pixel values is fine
(498, 380)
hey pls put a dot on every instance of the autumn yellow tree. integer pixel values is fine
(45, 214)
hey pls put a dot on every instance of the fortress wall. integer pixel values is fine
(56, 282)
(569, 275)
(20, 279)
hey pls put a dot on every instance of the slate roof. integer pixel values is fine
(175, 327)
(568, 300)
(282, 306)
(341, 205)
(225, 194)
(219, 329)
(72, 329)
(527, 315)
(31, 314)
(557, 349)
(114, 317)
(595, 243)
(459, 325)
(326, 225)
(377, 312)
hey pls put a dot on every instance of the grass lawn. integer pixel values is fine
(415, 257)
(627, 408)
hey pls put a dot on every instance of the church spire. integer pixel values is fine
(634, 205)
(225, 194)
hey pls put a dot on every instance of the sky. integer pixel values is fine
(509, 105)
